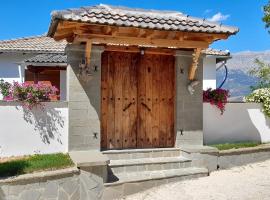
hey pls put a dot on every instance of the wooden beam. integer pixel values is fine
(114, 30)
(88, 48)
(135, 41)
(138, 50)
(194, 64)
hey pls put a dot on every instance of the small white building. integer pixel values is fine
(34, 59)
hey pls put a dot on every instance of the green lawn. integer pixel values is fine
(227, 146)
(35, 163)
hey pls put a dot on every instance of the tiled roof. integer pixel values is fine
(149, 19)
(48, 58)
(37, 44)
(216, 52)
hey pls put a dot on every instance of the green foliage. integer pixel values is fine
(266, 18)
(239, 145)
(35, 163)
(262, 72)
(4, 88)
(261, 96)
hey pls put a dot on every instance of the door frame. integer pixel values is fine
(158, 51)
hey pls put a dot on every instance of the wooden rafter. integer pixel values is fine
(66, 27)
(88, 48)
(195, 59)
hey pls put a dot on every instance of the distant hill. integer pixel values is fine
(239, 81)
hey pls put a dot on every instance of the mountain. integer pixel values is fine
(239, 81)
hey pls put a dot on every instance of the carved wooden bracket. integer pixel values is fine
(195, 59)
(88, 48)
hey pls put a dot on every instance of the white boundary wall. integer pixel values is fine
(24, 132)
(240, 122)
(209, 72)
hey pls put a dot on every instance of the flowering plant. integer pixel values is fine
(261, 96)
(218, 97)
(30, 95)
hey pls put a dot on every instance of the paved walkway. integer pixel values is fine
(251, 182)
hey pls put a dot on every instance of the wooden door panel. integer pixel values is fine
(119, 100)
(137, 107)
(130, 102)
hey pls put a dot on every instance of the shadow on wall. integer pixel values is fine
(47, 121)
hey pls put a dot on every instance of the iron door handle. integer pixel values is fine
(127, 107)
(144, 105)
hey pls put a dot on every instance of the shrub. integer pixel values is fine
(4, 87)
(217, 97)
(30, 95)
(261, 96)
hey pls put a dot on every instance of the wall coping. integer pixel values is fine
(51, 103)
(260, 148)
(40, 176)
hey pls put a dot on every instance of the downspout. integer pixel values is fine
(226, 73)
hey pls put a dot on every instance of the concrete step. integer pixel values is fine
(141, 153)
(148, 164)
(130, 183)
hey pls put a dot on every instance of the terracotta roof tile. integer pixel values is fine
(152, 19)
(38, 44)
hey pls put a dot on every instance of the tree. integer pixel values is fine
(262, 72)
(266, 18)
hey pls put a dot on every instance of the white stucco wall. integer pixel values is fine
(24, 132)
(11, 68)
(209, 72)
(240, 122)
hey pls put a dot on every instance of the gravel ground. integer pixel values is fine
(250, 182)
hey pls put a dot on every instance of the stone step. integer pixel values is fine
(130, 183)
(148, 164)
(141, 153)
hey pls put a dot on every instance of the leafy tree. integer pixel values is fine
(262, 72)
(266, 18)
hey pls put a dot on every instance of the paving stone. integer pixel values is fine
(51, 190)
(70, 186)
(63, 195)
(16, 189)
(30, 194)
(75, 195)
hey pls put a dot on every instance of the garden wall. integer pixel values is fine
(24, 132)
(240, 122)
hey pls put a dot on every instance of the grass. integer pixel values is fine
(35, 163)
(227, 146)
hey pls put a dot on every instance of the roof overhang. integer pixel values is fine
(78, 27)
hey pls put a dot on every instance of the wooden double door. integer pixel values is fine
(137, 100)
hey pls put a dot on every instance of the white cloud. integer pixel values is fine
(218, 17)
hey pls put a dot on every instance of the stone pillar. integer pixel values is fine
(189, 108)
(84, 99)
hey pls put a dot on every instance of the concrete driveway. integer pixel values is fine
(250, 182)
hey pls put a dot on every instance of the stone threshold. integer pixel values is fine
(143, 161)
(139, 150)
(136, 177)
(89, 158)
(40, 176)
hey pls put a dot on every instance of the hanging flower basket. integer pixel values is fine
(217, 97)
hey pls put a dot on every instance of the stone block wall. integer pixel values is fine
(189, 108)
(84, 99)
(65, 184)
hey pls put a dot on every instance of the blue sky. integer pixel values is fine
(32, 17)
